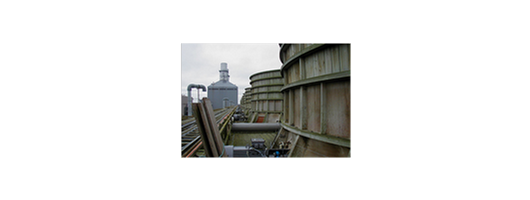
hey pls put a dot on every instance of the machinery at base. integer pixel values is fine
(256, 149)
(239, 115)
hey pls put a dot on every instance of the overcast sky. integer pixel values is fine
(201, 63)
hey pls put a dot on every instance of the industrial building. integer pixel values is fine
(223, 93)
(299, 110)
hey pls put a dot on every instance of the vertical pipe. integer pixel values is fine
(198, 94)
(191, 86)
(189, 101)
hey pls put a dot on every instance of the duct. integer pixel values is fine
(255, 126)
(201, 87)
(191, 86)
(198, 86)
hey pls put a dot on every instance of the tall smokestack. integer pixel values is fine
(223, 73)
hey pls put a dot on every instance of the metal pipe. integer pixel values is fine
(255, 126)
(191, 86)
(189, 98)
(194, 149)
(199, 86)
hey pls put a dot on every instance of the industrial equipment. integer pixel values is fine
(191, 86)
(257, 148)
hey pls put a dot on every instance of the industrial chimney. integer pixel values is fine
(223, 73)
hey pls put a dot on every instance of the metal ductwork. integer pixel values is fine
(191, 86)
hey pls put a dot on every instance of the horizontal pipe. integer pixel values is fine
(198, 86)
(255, 126)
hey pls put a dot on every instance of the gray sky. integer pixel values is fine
(200, 63)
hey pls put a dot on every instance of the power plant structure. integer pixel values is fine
(245, 101)
(316, 120)
(299, 110)
(266, 96)
(223, 93)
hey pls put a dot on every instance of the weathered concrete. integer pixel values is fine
(266, 96)
(316, 99)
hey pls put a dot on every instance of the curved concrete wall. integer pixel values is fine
(316, 99)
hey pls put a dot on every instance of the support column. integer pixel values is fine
(285, 96)
(303, 109)
(291, 107)
(323, 111)
(302, 68)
